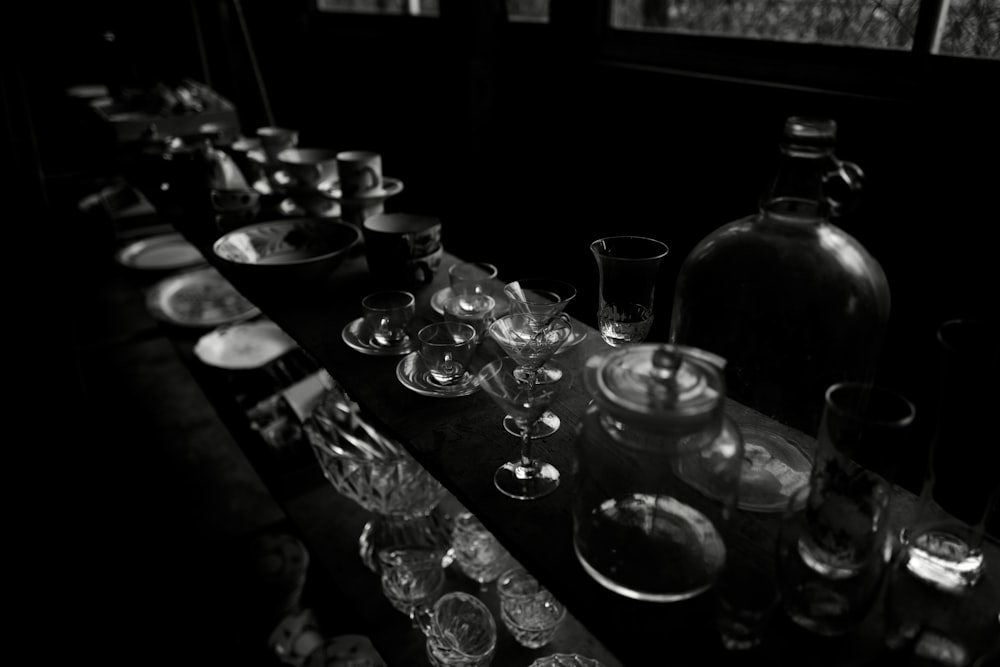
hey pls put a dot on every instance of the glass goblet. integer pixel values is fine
(545, 298)
(531, 345)
(526, 477)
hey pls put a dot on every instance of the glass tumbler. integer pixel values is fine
(528, 610)
(833, 549)
(476, 551)
(460, 631)
(627, 268)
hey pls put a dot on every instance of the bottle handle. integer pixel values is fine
(841, 186)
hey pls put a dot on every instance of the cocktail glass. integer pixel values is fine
(526, 477)
(546, 299)
(531, 345)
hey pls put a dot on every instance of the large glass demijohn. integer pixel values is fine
(790, 300)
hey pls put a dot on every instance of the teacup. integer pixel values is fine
(275, 139)
(402, 249)
(388, 314)
(446, 348)
(247, 153)
(360, 173)
(307, 167)
(470, 284)
(460, 631)
(234, 200)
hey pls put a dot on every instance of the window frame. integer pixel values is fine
(580, 31)
(831, 68)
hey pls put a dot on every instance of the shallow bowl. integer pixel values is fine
(304, 249)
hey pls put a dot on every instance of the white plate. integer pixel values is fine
(245, 345)
(160, 253)
(412, 373)
(202, 298)
(357, 336)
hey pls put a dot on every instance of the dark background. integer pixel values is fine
(529, 148)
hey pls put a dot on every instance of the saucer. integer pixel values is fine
(440, 298)
(390, 188)
(293, 209)
(576, 336)
(356, 337)
(414, 375)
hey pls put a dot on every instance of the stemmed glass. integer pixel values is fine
(527, 477)
(531, 345)
(545, 298)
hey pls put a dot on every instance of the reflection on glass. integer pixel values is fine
(856, 22)
(529, 11)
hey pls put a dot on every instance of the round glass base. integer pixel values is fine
(548, 374)
(517, 481)
(546, 425)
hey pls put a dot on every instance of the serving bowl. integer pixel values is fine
(304, 249)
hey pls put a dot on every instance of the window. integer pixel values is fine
(970, 28)
(530, 11)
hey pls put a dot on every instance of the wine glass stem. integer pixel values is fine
(526, 460)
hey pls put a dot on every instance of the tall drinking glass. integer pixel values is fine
(834, 549)
(627, 269)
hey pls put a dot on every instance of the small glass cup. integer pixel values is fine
(388, 315)
(528, 610)
(479, 318)
(446, 348)
(477, 552)
(470, 283)
(295, 636)
(411, 579)
(460, 631)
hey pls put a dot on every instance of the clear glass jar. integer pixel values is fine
(791, 301)
(657, 470)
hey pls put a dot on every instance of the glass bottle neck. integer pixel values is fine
(796, 193)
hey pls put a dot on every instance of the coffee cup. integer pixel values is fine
(306, 167)
(247, 153)
(275, 139)
(403, 249)
(387, 315)
(359, 173)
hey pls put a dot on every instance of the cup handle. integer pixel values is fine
(565, 318)
(372, 177)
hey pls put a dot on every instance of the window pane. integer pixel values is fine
(874, 23)
(972, 28)
(536, 11)
(411, 7)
